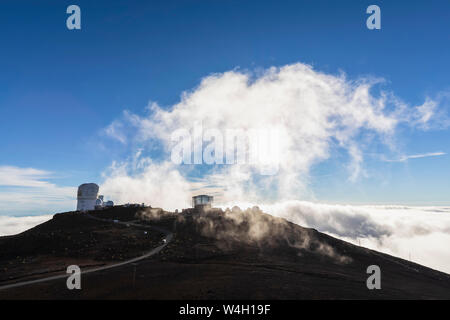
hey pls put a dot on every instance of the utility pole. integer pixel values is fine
(134, 274)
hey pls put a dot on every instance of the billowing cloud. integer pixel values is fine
(141, 180)
(316, 114)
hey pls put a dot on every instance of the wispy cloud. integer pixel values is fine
(115, 131)
(416, 156)
(29, 191)
(23, 177)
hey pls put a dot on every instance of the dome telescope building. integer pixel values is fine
(87, 196)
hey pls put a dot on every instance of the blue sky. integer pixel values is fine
(59, 89)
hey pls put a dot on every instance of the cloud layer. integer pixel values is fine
(15, 225)
(419, 233)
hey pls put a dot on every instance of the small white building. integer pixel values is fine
(101, 203)
(202, 201)
(109, 204)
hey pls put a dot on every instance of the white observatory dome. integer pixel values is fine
(87, 196)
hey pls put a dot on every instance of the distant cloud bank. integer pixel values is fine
(419, 233)
(15, 225)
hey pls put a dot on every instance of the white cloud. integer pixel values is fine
(141, 180)
(318, 113)
(115, 130)
(28, 191)
(23, 177)
(15, 225)
(416, 156)
(433, 113)
(426, 111)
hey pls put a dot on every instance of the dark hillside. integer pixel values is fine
(213, 255)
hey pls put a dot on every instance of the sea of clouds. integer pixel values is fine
(14, 225)
(416, 233)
